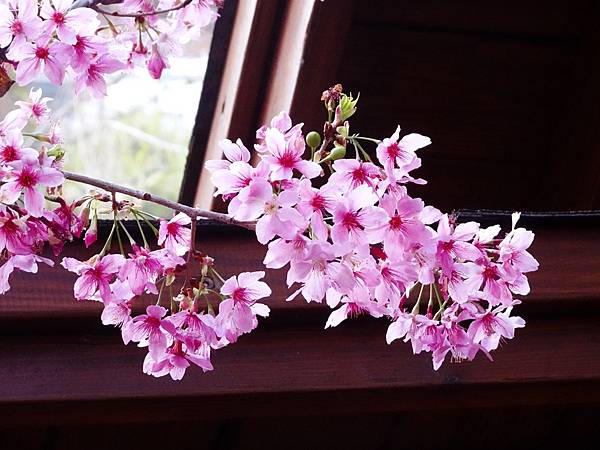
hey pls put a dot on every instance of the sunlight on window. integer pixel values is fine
(137, 135)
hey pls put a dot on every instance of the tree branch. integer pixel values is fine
(194, 213)
(92, 3)
(142, 14)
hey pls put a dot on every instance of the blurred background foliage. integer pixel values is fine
(137, 135)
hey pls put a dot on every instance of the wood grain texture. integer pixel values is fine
(279, 371)
(567, 257)
(529, 19)
(529, 426)
(501, 89)
(56, 356)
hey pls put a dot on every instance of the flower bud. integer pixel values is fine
(313, 139)
(57, 151)
(156, 64)
(347, 106)
(91, 235)
(338, 152)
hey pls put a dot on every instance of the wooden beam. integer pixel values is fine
(255, 32)
(274, 371)
(567, 278)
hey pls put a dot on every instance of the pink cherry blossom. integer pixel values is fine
(237, 314)
(19, 25)
(37, 107)
(25, 177)
(175, 235)
(251, 201)
(402, 153)
(233, 152)
(491, 279)
(453, 242)
(456, 341)
(92, 76)
(394, 279)
(285, 156)
(319, 272)
(280, 219)
(313, 204)
(88, 48)
(14, 234)
(13, 121)
(141, 270)
(489, 327)
(175, 360)
(96, 274)
(51, 57)
(246, 288)
(401, 327)
(513, 251)
(26, 263)
(117, 306)
(68, 23)
(356, 303)
(150, 328)
(282, 251)
(11, 148)
(355, 216)
(195, 330)
(402, 227)
(282, 123)
(350, 174)
(156, 63)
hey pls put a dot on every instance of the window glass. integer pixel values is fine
(138, 134)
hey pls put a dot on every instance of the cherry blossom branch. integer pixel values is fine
(143, 14)
(92, 3)
(194, 213)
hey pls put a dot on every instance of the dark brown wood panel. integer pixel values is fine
(489, 104)
(278, 371)
(566, 256)
(550, 19)
(531, 427)
(506, 91)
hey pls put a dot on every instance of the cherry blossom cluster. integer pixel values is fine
(354, 239)
(189, 328)
(346, 227)
(89, 39)
(196, 318)
(26, 225)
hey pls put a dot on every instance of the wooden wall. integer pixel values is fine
(508, 92)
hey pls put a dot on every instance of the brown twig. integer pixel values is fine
(142, 14)
(92, 3)
(194, 213)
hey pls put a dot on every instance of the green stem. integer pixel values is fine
(160, 291)
(416, 307)
(356, 136)
(120, 242)
(137, 220)
(108, 240)
(143, 216)
(217, 275)
(362, 150)
(131, 239)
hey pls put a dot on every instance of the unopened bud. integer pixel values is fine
(313, 139)
(57, 151)
(338, 152)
